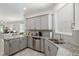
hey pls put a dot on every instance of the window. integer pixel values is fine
(64, 19)
(1, 28)
(22, 27)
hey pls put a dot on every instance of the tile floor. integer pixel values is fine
(29, 52)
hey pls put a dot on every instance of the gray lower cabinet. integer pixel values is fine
(50, 49)
(42, 45)
(14, 45)
(6, 47)
(30, 42)
(23, 42)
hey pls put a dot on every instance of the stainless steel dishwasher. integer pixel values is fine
(37, 43)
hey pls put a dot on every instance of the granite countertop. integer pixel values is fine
(9, 37)
(48, 39)
(39, 37)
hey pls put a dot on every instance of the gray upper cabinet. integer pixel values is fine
(28, 25)
(37, 23)
(32, 23)
(14, 45)
(44, 22)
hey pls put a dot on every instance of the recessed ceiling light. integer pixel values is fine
(24, 8)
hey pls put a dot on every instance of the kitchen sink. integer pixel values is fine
(57, 41)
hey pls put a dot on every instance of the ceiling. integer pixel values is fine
(15, 11)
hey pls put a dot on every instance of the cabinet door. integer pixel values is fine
(6, 47)
(14, 45)
(44, 22)
(30, 42)
(32, 23)
(23, 43)
(50, 49)
(28, 24)
(37, 22)
(42, 45)
(46, 48)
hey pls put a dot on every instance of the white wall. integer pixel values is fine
(16, 24)
(76, 16)
(64, 28)
(64, 19)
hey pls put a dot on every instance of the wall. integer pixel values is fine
(16, 24)
(66, 35)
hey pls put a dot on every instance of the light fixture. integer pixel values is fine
(24, 8)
